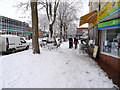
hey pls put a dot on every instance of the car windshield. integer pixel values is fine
(22, 40)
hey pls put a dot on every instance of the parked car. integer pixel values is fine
(12, 43)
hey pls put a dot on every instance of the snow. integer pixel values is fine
(8, 35)
(57, 68)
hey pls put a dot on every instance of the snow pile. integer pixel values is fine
(58, 68)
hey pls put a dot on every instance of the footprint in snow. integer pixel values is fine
(60, 52)
(87, 72)
(90, 80)
(67, 63)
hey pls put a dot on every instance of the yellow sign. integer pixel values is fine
(93, 22)
(39, 33)
(110, 7)
(95, 51)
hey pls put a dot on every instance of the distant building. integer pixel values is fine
(81, 31)
(12, 26)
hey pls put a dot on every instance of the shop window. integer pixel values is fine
(92, 34)
(109, 41)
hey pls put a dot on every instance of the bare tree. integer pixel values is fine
(34, 13)
(43, 22)
(51, 10)
(66, 16)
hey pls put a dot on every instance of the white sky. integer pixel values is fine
(7, 9)
(85, 10)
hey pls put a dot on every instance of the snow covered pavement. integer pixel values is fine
(58, 68)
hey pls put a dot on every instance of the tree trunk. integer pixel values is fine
(50, 29)
(35, 43)
(66, 35)
(64, 32)
(61, 33)
(51, 33)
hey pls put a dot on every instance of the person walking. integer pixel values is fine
(70, 42)
(75, 42)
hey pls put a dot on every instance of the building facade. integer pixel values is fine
(81, 31)
(104, 30)
(109, 28)
(12, 26)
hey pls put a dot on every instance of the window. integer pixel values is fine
(3, 20)
(109, 41)
(22, 40)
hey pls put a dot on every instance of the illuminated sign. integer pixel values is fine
(110, 8)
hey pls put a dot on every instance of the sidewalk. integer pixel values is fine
(57, 68)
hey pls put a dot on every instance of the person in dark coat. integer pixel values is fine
(70, 42)
(75, 42)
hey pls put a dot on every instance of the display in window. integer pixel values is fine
(111, 44)
(107, 46)
(114, 49)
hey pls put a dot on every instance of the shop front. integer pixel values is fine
(110, 39)
(91, 18)
(109, 27)
(93, 35)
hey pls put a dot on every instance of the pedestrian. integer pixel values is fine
(75, 42)
(70, 42)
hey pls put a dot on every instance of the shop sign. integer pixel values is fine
(39, 33)
(16, 31)
(110, 8)
(95, 51)
(93, 22)
(109, 24)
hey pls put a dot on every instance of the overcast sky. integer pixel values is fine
(8, 9)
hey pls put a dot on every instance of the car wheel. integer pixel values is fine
(13, 50)
(27, 47)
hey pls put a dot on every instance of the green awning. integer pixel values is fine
(18, 31)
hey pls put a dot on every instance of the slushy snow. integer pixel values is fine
(57, 68)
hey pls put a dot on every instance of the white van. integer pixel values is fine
(12, 43)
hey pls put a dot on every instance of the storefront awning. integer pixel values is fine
(86, 18)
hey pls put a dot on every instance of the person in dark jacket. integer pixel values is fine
(70, 42)
(75, 42)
